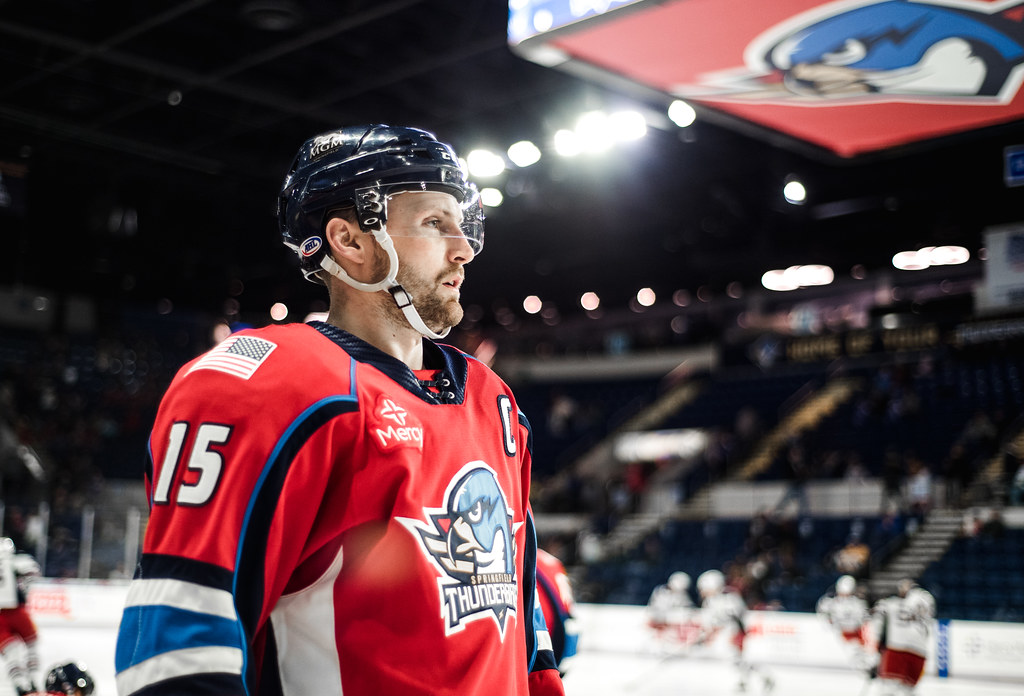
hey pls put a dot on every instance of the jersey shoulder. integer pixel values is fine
(279, 358)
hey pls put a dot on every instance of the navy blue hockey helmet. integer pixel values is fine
(358, 167)
(71, 679)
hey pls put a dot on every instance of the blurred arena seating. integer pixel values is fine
(80, 406)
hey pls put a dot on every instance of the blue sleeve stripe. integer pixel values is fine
(152, 630)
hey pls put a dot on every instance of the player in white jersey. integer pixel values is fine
(903, 625)
(671, 612)
(18, 634)
(722, 617)
(670, 602)
(848, 613)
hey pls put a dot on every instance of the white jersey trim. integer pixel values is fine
(304, 634)
(179, 663)
(181, 595)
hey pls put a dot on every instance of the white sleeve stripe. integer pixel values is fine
(544, 640)
(181, 595)
(179, 663)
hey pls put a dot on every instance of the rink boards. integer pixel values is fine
(78, 620)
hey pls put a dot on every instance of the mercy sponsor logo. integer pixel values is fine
(394, 427)
(393, 411)
(393, 436)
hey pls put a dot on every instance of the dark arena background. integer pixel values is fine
(762, 302)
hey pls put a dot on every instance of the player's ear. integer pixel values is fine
(346, 240)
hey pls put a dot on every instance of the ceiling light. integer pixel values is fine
(798, 276)
(627, 125)
(590, 301)
(594, 131)
(524, 153)
(646, 297)
(491, 197)
(814, 274)
(278, 311)
(778, 281)
(532, 304)
(930, 256)
(484, 163)
(681, 113)
(567, 143)
(543, 20)
(794, 192)
(910, 261)
(949, 255)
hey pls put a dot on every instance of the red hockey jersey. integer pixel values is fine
(325, 521)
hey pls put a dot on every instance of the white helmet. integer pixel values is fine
(920, 603)
(845, 585)
(710, 582)
(679, 581)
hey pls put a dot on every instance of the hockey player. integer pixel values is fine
(903, 624)
(70, 679)
(671, 613)
(18, 634)
(554, 591)
(848, 614)
(723, 614)
(670, 603)
(343, 506)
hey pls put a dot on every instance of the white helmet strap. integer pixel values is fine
(390, 283)
(404, 301)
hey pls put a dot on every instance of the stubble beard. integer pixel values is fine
(438, 311)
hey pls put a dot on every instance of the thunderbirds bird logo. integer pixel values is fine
(959, 51)
(471, 541)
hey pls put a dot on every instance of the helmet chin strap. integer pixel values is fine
(390, 283)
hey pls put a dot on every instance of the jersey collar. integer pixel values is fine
(450, 361)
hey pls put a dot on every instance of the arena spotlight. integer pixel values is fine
(681, 113)
(524, 153)
(646, 297)
(484, 163)
(491, 197)
(794, 192)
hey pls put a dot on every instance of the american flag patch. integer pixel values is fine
(237, 355)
